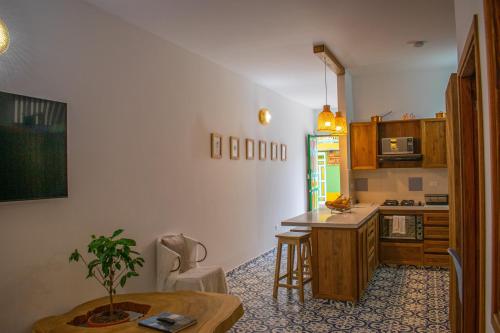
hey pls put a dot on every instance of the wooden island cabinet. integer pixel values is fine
(345, 259)
(345, 250)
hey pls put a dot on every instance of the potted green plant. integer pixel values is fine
(114, 263)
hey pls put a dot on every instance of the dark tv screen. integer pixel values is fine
(33, 154)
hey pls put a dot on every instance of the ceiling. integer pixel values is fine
(270, 42)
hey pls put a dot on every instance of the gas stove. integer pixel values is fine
(390, 202)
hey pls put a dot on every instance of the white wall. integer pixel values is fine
(464, 12)
(418, 92)
(140, 114)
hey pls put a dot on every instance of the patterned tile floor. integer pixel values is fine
(398, 299)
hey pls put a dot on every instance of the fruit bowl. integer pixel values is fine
(341, 204)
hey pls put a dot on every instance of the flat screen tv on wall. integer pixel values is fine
(33, 154)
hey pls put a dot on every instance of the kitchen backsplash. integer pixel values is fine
(378, 185)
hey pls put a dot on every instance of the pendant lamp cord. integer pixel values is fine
(326, 86)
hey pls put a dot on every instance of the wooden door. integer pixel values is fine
(467, 190)
(363, 146)
(492, 27)
(434, 143)
(454, 197)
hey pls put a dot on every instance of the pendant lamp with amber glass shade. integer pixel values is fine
(340, 124)
(326, 118)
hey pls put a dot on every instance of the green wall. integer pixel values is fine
(333, 178)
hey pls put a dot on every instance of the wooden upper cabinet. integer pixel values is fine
(430, 135)
(363, 146)
(434, 143)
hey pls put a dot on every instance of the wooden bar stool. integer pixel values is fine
(294, 240)
(306, 253)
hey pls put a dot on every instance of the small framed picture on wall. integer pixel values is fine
(234, 148)
(249, 149)
(283, 152)
(216, 145)
(274, 151)
(262, 150)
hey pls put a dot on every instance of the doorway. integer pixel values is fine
(466, 179)
(323, 169)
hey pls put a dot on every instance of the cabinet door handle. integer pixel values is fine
(458, 270)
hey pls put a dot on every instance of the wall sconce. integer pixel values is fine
(264, 116)
(4, 37)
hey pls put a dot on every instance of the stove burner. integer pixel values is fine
(390, 202)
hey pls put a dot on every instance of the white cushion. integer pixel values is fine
(203, 278)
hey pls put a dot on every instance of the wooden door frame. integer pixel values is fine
(472, 183)
(492, 28)
(454, 190)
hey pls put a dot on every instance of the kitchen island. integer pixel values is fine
(345, 250)
(323, 217)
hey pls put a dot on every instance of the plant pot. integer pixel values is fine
(83, 320)
(102, 319)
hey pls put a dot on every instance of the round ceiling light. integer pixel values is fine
(4, 37)
(264, 116)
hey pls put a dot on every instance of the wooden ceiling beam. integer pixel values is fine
(324, 53)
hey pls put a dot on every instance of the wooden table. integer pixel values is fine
(214, 312)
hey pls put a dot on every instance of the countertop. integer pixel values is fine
(360, 213)
(323, 217)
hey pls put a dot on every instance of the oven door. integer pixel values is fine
(404, 227)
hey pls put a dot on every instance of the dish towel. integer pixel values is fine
(398, 224)
(395, 224)
(402, 225)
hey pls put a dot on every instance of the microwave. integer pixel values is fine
(401, 145)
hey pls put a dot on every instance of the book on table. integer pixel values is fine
(168, 322)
